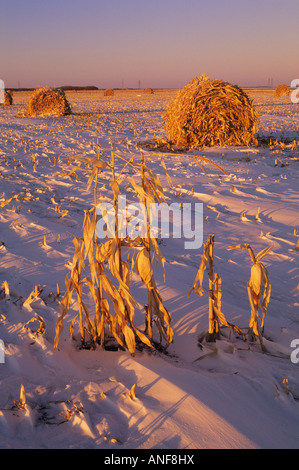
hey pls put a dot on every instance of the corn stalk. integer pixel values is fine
(258, 288)
(149, 192)
(216, 316)
(89, 252)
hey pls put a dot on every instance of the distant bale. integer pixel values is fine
(7, 98)
(282, 90)
(211, 113)
(48, 101)
(148, 91)
(109, 92)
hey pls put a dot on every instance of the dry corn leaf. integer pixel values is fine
(262, 253)
(129, 338)
(64, 306)
(35, 293)
(64, 213)
(21, 403)
(143, 338)
(103, 251)
(115, 188)
(143, 266)
(256, 278)
(158, 253)
(131, 394)
(139, 190)
(243, 247)
(72, 327)
(42, 324)
(5, 287)
(214, 352)
(166, 172)
(197, 285)
(7, 201)
(156, 182)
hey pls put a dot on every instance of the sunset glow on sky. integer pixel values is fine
(116, 43)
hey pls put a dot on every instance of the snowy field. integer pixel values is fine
(228, 394)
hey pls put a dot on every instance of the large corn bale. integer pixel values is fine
(48, 101)
(148, 91)
(282, 90)
(211, 113)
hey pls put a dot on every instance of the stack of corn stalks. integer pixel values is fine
(211, 113)
(48, 101)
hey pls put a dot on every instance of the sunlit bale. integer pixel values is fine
(8, 98)
(148, 91)
(48, 101)
(282, 90)
(109, 92)
(211, 113)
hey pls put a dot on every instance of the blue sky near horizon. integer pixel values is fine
(111, 43)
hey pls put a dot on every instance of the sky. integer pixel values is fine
(157, 43)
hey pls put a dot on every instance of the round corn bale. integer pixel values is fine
(109, 92)
(48, 101)
(282, 90)
(8, 98)
(211, 113)
(148, 91)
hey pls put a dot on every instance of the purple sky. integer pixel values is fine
(110, 43)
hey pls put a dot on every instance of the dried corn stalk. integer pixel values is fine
(33, 295)
(90, 253)
(216, 316)
(150, 191)
(21, 403)
(258, 287)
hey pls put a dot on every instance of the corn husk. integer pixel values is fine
(258, 288)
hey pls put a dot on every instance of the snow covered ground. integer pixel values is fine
(227, 394)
